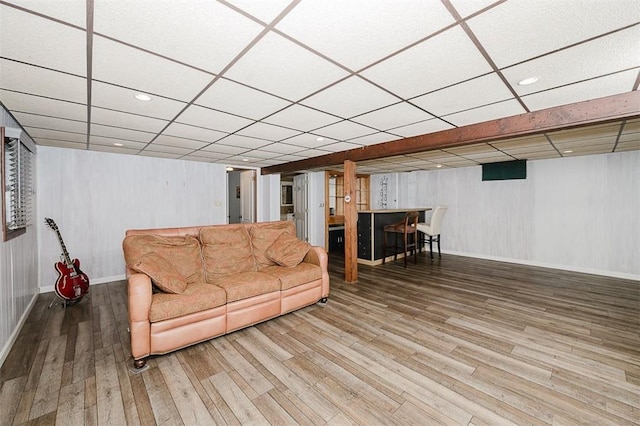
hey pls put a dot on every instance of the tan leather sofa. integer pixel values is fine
(232, 281)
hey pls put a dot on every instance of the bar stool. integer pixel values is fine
(409, 230)
(432, 229)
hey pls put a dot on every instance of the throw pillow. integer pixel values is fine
(287, 250)
(162, 273)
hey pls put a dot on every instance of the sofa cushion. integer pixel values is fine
(287, 250)
(198, 296)
(226, 250)
(182, 252)
(263, 235)
(297, 275)
(247, 284)
(162, 273)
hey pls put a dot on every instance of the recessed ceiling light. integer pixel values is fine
(319, 139)
(118, 144)
(528, 81)
(245, 159)
(438, 165)
(229, 169)
(142, 97)
(567, 151)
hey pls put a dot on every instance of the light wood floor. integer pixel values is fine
(454, 341)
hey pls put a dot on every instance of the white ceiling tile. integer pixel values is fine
(244, 142)
(422, 128)
(195, 27)
(308, 140)
(234, 98)
(362, 97)
(593, 59)
(521, 29)
(118, 133)
(538, 155)
(263, 154)
(224, 149)
(356, 33)
(471, 149)
(599, 87)
(374, 138)
(268, 132)
(281, 148)
(114, 149)
(301, 118)
(126, 145)
(199, 158)
(130, 121)
(287, 158)
(485, 113)
(210, 119)
(283, 68)
(341, 146)
(628, 145)
(41, 82)
(169, 149)
(393, 116)
(30, 120)
(43, 106)
(310, 153)
(470, 94)
(160, 155)
(71, 11)
(37, 134)
(209, 155)
(38, 41)
(445, 59)
(609, 130)
(193, 132)
(179, 142)
(468, 7)
(61, 143)
(265, 11)
(117, 98)
(123, 65)
(345, 130)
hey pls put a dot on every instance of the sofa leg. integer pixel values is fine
(323, 301)
(139, 363)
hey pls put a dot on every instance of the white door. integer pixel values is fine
(300, 207)
(248, 196)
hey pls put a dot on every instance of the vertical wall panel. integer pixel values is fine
(18, 270)
(578, 213)
(95, 197)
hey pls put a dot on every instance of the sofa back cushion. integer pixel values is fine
(183, 252)
(226, 249)
(263, 236)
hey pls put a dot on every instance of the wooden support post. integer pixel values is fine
(350, 223)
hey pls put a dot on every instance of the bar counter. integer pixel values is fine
(371, 225)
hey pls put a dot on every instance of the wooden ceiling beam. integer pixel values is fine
(594, 111)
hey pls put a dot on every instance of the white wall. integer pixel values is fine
(268, 187)
(95, 197)
(18, 270)
(316, 199)
(577, 213)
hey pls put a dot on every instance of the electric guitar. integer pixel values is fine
(72, 284)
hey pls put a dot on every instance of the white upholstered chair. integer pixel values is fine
(432, 229)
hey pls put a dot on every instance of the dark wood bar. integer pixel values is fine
(370, 231)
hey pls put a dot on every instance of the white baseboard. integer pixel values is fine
(12, 339)
(92, 281)
(601, 272)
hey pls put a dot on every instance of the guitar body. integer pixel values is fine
(72, 284)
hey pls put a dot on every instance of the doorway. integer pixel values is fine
(241, 196)
(300, 206)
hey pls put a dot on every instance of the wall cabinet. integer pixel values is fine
(334, 202)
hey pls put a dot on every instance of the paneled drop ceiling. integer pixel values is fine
(263, 83)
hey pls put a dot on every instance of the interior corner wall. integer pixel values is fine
(576, 213)
(94, 197)
(18, 269)
(268, 187)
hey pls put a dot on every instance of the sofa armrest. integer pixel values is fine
(318, 256)
(140, 292)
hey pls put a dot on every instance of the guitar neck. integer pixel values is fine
(65, 253)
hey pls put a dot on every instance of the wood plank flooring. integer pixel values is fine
(454, 341)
